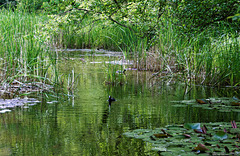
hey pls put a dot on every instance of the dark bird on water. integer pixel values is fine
(110, 100)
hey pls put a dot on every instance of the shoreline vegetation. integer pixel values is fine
(27, 64)
(168, 40)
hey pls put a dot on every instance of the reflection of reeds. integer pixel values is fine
(23, 51)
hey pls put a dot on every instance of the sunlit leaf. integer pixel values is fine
(192, 125)
(220, 135)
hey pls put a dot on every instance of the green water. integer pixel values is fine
(84, 124)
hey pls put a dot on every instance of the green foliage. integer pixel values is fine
(55, 7)
(7, 3)
(140, 17)
(23, 49)
(236, 17)
(194, 15)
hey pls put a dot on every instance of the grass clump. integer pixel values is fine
(24, 54)
(206, 58)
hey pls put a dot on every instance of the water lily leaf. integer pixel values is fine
(197, 106)
(184, 141)
(198, 130)
(141, 130)
(192, 126)
(178, 105)
(160, 149)
(208, 107)
(220, 135)
(236, 99)
(200, 147)
(188, 101)
(235, 103)
(175, 101)
(235, 130)
(175, 127)
(160, 135)
(202, 101)
(236, 110)
(214, 100)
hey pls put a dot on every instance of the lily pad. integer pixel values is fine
(220, 135)
(202, 101)
(235, 130)
(223, 104)
(178, 105)
(200, 147)
(192, 125)
(184, 141)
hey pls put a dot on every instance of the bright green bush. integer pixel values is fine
(197, 15)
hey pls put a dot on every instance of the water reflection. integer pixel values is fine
(84, 124)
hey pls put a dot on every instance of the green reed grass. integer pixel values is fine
(205, 57)
(23, 50)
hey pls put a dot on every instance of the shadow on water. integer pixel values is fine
(85, 124)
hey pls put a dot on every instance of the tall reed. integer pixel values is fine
(204, 57)
(23, 50)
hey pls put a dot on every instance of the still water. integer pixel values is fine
(84, 124)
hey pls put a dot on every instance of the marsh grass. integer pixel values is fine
(210, 60)
(24, 53)
(205, 58)
(209, 57)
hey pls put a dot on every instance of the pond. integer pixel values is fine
(84, 124)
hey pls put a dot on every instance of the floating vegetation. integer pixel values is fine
(192, 138)
(221, 104)
(16, 102)
(18, 88)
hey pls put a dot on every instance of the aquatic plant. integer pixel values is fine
(191, 138)
(223, 104)
(24, 51)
